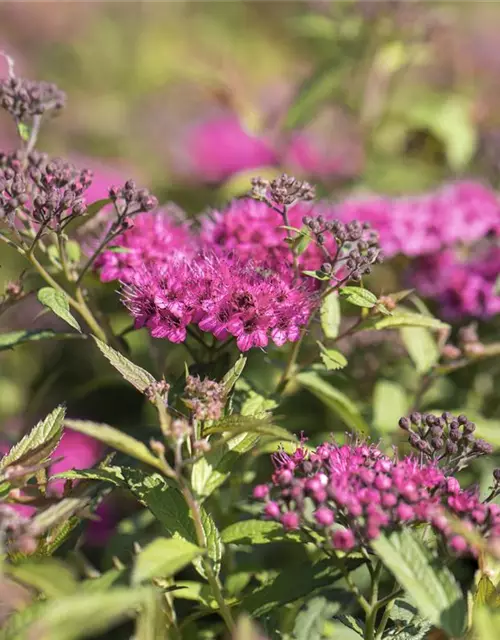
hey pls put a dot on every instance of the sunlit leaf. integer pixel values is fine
(57, 301)
(137, 376)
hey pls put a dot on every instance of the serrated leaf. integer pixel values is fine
(331, 358)
(163, 558)
(421, 347)
(330, 316)
(390, 403)
(251, 532)
(231, 377)
(50, 576)
(236, 424)
(85, 615)
(337, 401)
(310, 621)
(115, 439)
(14, 338)
(408, 319)
(408, 623)
(137, 376)
(39, 443)
(57, 301)
(431, 585)
(106, 474)
(359, 297)
(302, 241)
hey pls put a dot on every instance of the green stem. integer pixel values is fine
(64, 259)
(224, 610)
(80, 306)
(384, 620)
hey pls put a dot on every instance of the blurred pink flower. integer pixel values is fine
(307, 157)
(220, 147)
(464, 287)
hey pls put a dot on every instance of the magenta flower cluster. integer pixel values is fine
(457, 213)
(353, 492)
(463, 285)
(150, 240)
(222, 296)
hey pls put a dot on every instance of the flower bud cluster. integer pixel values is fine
(351, 493)
(205, 398)
(49, 192)
(129, 200)
(23, 98)
(283, 191)
(445, 440)
(350, 249)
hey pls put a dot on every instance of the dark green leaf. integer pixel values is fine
(431, 585)
(57, 301)
(337, 401)
(310, 621)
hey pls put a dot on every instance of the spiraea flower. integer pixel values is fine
(129, 200)
(462, 286)
(461, 212)
(220, 147)
(353, 492)
(284, 191)
(150, 240)
(205, 398)
(220, 295)
(23, 98)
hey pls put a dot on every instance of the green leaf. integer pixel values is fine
(152, 623)
(332, 359)
(15, 627)
(408, 623)
(251, 532)
(24, 131)
(231, 377)
(330, 316)
(486, 593)
(310, 621)
(50, 576)
(137, 376)
(317, 275)
(57, 301)
(57, 513)
(168, 506)
(39, 443)
(236, 424)
(431, 585)
(454, 124)
(390, 403)
(421, 347)
(408, 319)
(73, 251)
(295, 582)
(14, 338)
(163, 558)
(359, 297)
(486, 624)
(115, 439)
(103, 582)
(84, 615)
(337, 401)
(112, 474)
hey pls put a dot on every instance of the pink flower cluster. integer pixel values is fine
(151, 240)
(461, 212)
(220, 147)
(222, 296)
(354, 492)
(463, 286)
